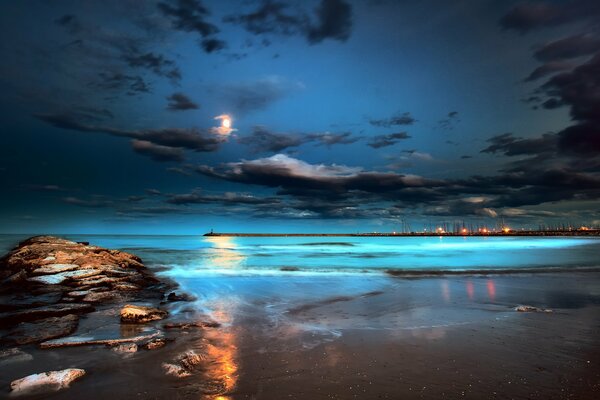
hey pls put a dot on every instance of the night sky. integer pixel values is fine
(344, 115)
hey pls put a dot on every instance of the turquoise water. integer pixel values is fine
(190, 256)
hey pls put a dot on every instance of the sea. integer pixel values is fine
(233, 277)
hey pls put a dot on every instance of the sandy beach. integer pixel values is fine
(297, 337)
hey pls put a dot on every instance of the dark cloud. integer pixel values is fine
(379, 141)
(263, 140)
(131, 84)
(157, 152)
(271, 17)
(570, 47)
(191, 16)
(156, 63)
(212, 45)
(190, 139)
(330, 139)
(180, 102)
(396, 120)
(510, 145)
(579, 89)
(293, 174)
(334, 21)
(528, 16)
(546, 69)
(227, 198)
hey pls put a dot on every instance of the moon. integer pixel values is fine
(226, 122)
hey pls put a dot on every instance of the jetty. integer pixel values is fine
(504, 232)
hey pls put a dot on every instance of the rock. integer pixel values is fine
(41, 330)
(54, 310)
(126, 348)
(172, 297)
(60, 277)
(155, 344)
(175, 370)
(54, 268)
(525, 308)
(189, 325)
(184, 365)
(126, 287)
(16, 278)
(140, 314)
(96, 297)
(46, 381)
(13, 355)
(74, 341)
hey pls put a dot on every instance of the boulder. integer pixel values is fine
(141, 314)
(46, 381)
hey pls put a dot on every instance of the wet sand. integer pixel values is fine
(367, 337)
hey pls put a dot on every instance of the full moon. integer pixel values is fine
(226, 123)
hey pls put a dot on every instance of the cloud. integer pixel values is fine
(332, 20)
(546, 69)
(271, 17)
(157, 152)
(263, 140)
(191, 16)
(180, 102)
(292, 174)
(569, 47)
(132, 84)
(156, 63)
(450, 121)
(379, 141)
(227, 198)
(330, 139)
(245, 97)
(190, 138)
(510, 145)
(529, 16)
(396, 120)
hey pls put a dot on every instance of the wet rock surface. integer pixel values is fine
(526, 308)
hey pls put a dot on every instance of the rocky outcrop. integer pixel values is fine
(140, 314)
(45, 382)
(47, 283)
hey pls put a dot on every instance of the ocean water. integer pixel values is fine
(195, 256)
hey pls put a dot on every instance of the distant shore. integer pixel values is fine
(588, 232)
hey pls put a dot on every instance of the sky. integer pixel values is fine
(181, 116)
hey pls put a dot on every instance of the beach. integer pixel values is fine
(368, 335)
